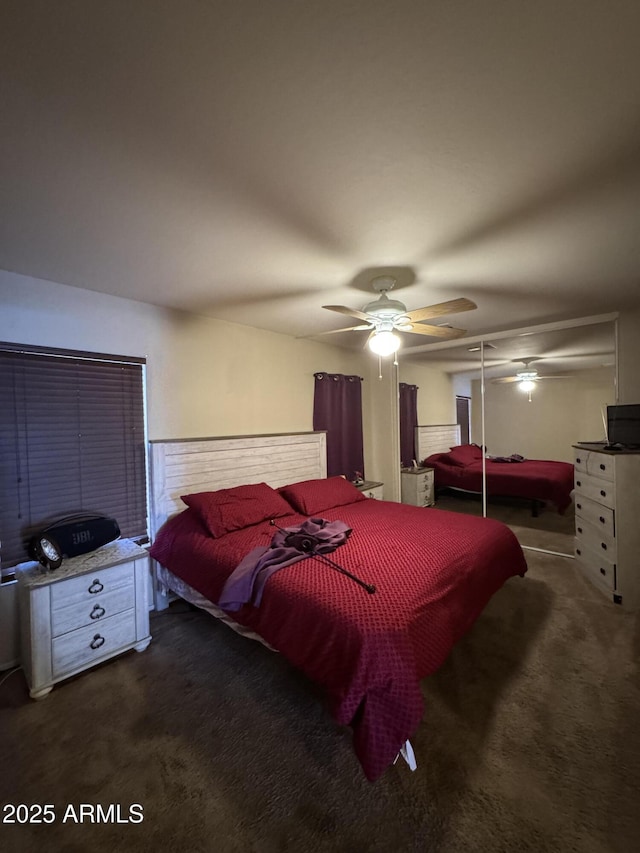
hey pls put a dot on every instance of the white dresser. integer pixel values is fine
(372, 489)
(89, 609)
(417, 486)
(607, 506)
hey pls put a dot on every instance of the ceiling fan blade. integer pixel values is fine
(350, 312)
(434, 331)
(522, 379)
(346, 329)
(453, 306)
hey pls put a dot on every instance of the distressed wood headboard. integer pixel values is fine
(436, 438)
(183, 466)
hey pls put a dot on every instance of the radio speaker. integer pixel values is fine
(72, 536)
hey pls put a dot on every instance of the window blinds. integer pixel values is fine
(72, 438)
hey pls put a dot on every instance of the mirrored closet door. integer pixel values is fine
(543, 392)
(529, 396)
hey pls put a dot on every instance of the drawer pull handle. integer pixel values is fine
(578, 460)
(603, 546)
(579, 530)
(578, 483)
(602, 520)
(97, 642)
(603, 571)
(97, 612)
(578, 551)
(579, 506)
(603, 493)
(603, 467)
(95, 587)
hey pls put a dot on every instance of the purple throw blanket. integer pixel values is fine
(289, 544)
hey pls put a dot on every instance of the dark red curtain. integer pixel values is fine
(408, 423)
(337, 408)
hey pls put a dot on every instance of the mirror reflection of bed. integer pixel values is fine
(544, 421)
(561, 410)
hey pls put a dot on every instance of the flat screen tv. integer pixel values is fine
(623, 425)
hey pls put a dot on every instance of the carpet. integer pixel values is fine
(530, 742)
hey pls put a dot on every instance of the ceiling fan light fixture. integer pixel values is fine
(526, 385)
(384, 343)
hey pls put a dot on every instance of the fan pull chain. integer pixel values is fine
(379, 367)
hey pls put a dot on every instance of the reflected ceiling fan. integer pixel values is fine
(526, 378)
(384, 317)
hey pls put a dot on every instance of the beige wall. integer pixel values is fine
(629, 356)
(436, 397)
(560, 413)
(204, 376)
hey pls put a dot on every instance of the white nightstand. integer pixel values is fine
(89, 609)
(417, 486)
(372, 489)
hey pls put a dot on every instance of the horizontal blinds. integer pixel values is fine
(73, 440)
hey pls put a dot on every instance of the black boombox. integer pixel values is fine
(71, 536)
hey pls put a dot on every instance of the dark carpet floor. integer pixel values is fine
(530, 742)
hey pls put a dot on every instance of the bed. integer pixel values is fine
(433, 573)
(539, 481)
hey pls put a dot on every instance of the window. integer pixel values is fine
(72, 433)
(337, 408)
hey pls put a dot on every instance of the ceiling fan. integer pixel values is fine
(526, 378)
(384, 317)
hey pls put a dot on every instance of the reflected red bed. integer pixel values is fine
(434, 572)
(533, 479)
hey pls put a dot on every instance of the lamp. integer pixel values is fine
(527, 385)
(384, 343)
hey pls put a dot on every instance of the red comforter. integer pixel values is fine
(434, 572)
(534, 479)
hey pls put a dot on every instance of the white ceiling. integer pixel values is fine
(253, 161)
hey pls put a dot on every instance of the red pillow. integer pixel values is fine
(313, 496)
(231, 509)
(464, 454)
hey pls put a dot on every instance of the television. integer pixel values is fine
(623, 425)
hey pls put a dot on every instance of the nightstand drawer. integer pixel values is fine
(86, 646)
(377, 493)
(91, 586)
(105, 605)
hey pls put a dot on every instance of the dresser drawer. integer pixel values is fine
(101, 607)
(594, 538)
(597, 464)
(596, 567)
(594, 488)
(86, 646)
(91, 587)
(595, 513)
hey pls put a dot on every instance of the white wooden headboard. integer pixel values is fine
(436, 438)
(182, 466)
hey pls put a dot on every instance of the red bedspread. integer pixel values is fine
(434, 572)
(534, 479)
